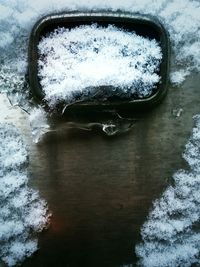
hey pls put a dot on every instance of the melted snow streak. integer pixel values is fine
(170, 236)
(73, 62)
(22, 212)
(38, 123)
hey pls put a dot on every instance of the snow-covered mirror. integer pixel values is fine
(98, 60)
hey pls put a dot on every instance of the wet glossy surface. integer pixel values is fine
(100, 189)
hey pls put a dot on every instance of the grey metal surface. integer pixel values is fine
(100, 189)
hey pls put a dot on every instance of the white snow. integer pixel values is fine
(180, 246)
(169, 235)
(180, 18)
(22, 212)
(73, 62)
(178, 77)
(38, 123)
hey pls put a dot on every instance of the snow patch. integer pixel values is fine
(22, 212)
(178, 77)
(181, 19)
(169, 235)
(173, 241)
(73, 62)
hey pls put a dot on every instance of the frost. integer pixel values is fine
(6, 39)
(169, 235)
(38, 123)
(173, 240)
(22, 212)
(73, 62)
(178, 77)
(181, 19)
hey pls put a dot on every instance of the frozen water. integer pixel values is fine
(169, 235)
(181, 19)
(73, 62)
(177, 77)
(38, 123)
(22, 212)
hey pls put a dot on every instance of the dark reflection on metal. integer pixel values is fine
(100, 189)
(111, 125)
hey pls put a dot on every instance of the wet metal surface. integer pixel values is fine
(100, 189)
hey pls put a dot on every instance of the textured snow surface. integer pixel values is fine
(73, 62)
(169, 234)
(22, 212)
(181, 19)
